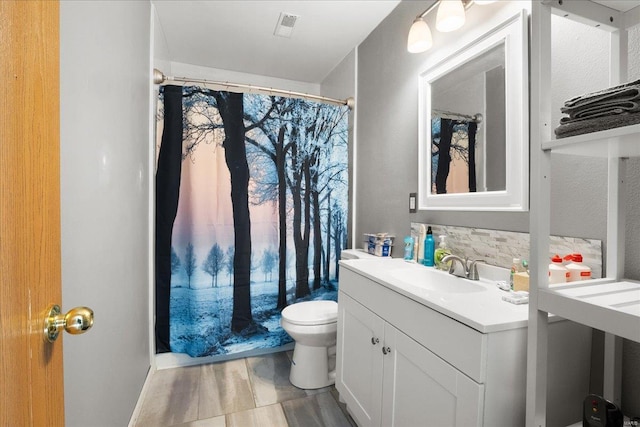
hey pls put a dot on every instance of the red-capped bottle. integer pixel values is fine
(558, 273)
(577, 270)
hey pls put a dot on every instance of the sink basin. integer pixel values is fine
(436, 280)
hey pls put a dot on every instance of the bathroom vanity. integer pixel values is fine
(417, 346)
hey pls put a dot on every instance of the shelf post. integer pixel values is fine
(616, 173)
(539, 212)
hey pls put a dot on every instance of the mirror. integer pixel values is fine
(473, 152)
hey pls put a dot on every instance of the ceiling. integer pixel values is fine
(621, 5)
(239, 35)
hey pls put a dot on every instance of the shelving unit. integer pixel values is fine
(611, 143)
(611, 304)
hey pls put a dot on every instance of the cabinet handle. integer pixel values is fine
(386, 350)
(374, 341)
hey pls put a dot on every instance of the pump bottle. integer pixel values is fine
(440, 253)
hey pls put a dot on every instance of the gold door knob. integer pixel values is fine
(77, 321)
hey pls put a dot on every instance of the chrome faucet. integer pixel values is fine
(455, 259)
(468, 269)
(472, 269)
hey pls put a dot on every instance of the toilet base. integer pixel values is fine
(310, 367)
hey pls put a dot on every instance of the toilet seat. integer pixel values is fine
(310, 313)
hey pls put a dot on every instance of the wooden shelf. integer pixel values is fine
(617, 142)
(611, 306)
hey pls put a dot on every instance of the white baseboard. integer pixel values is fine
(143, 393)
(178, 360)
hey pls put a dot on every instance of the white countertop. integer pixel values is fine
(483, 310)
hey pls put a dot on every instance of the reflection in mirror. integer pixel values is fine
(465, 155)
(473, 152)
(453, 154)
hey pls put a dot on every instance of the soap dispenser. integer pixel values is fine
(440, 253)
(429, 248)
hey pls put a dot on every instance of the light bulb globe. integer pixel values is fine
(419, 39)
(450, 15)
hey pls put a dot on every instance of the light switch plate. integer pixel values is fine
(412, 202)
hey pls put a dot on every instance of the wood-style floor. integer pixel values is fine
(240, 393)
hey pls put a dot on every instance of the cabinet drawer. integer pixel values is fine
(435, 331)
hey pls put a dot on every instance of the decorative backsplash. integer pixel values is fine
(500, 247)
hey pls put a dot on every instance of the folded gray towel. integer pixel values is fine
(596, 124)
(584, 111)
(602, 110)
(624, 91)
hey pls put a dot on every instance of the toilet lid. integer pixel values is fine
(311, 313)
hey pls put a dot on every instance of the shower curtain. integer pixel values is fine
(453, 156)
(251, 214)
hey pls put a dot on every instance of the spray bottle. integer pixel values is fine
(429, 248)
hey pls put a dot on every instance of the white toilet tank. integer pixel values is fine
(355, 254)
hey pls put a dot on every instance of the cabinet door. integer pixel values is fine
(420, 389)
(359, 360)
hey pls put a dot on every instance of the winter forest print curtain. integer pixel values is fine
(251, 213)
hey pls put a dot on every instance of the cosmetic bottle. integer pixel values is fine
(429, 248)
(408, 248)
(421, 238)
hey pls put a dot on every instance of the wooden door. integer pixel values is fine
(31, 379)
(359, 360)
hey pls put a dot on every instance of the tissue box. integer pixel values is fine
(379, 244)
(521, 281)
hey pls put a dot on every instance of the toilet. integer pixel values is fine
(313, 325)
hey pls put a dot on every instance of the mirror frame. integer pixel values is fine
(514, 34)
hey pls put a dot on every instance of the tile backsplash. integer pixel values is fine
(500, 247)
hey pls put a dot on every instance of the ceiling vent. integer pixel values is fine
(285, 24)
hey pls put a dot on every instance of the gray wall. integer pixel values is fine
(341, 84)
(387, 147)
(387, 118)
(496, 150)
(104, 156)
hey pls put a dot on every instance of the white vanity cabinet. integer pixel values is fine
(401, 363)
(392, 380)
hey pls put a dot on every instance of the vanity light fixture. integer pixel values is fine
(450, 17)
(419, 36)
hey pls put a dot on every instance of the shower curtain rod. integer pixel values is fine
(159, 78)
(457, 116)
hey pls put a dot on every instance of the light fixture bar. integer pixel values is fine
(419, 39)
(429, 9)
(467, 4)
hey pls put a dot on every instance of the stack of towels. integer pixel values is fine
(605, 109)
